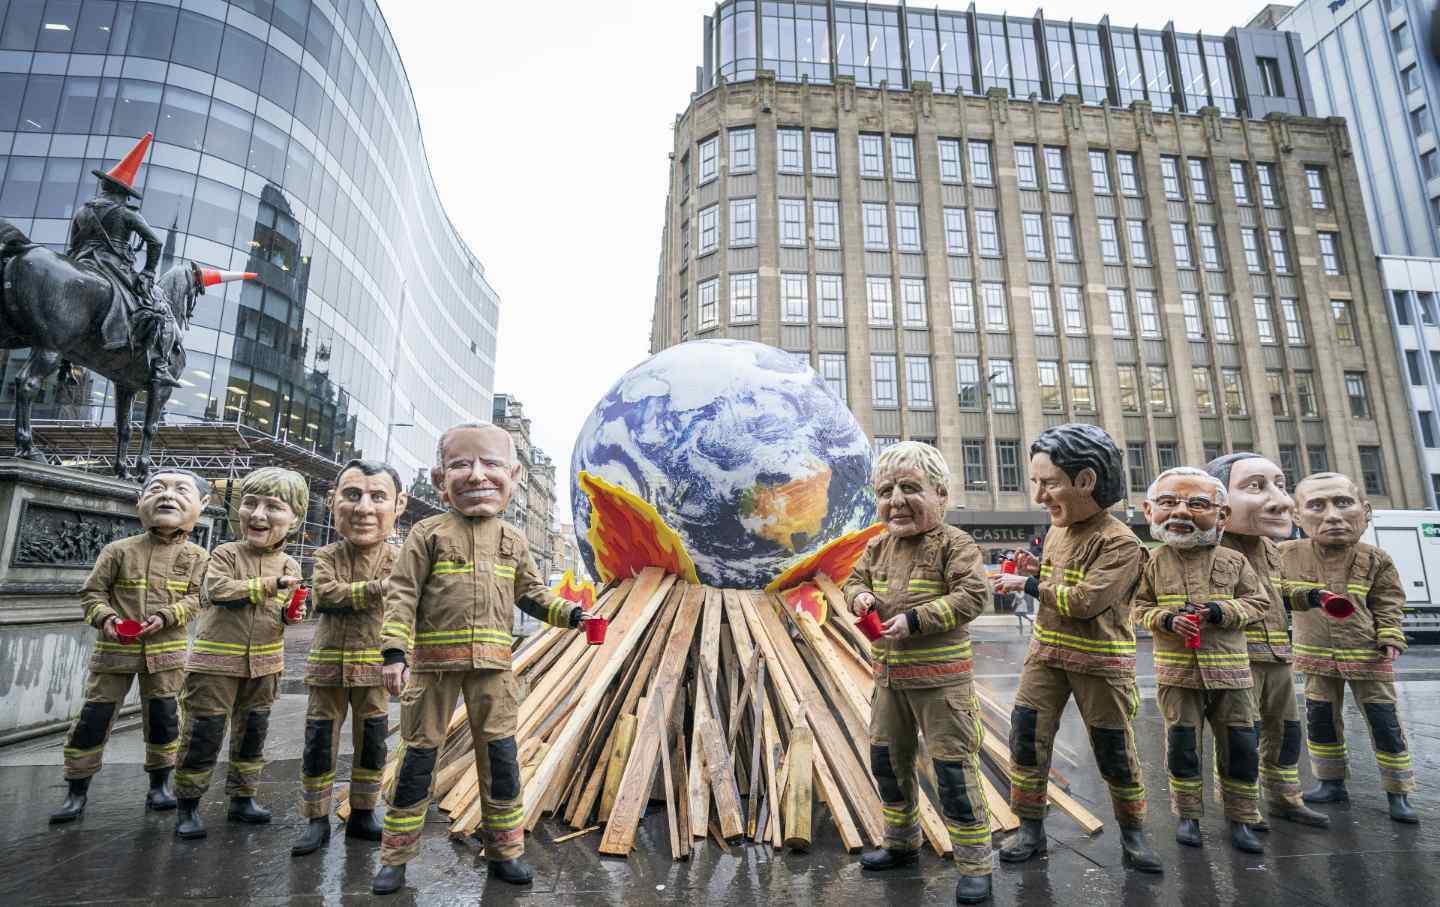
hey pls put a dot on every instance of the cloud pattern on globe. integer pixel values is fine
(741, 450)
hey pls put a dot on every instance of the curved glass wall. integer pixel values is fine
(286, 143)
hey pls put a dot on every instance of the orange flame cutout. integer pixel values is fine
(835, 560)
(581, 593)
(807, 598)
(628, 535)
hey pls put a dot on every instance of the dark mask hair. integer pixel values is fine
(371, 468)
(1077, 446)
(1220, 466)
(201, 485)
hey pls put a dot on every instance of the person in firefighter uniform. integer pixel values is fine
(1358, 648)
(927, 581)
(448, 616)
(1261, 514)
(342, 668)
(153, 579)
(1083, 644)
(1197, 598)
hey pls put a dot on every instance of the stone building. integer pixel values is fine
(532, 507)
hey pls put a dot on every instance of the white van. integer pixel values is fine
(1412, 539)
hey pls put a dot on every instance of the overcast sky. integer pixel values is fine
(548, 126)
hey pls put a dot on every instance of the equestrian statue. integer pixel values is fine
(93, 307)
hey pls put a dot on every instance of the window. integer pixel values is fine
(1109, 241)
(742, 222)
(884, 441)
(1002, 384)
(1371, 472)
(1199, 181)
(1033, 228)
(1435, 363)
(1279, 255)
(1400, 37)
(907, 228)
(684, 315)
(1294, 328)
(832, 370)
(684, 176)
(1427, 427)
(877, 295)
(1430, 163)
(1330, 253)
(792, 222)
(1271, 84)
(1318, 456)
(872, 155)
(1081, 397)
(1419, 122)
(709, 153)
(1119, 317)
(1064, 231)
(709, 229)
(1410, 76)
(1412, 364)
(1425, 302)
(1402, 307)
(1265, 174)
(1007, 464)
(950, 171)
(1194, 324)
(967, 382)
(822, 153)
(1167, 454)
(912, 301)
(709, 304)
(997, 316)
(1137, 462)
(1220, 317)
(1209, 246)
(882, 380)
(1025, 173)
(1289, 465)
(1099, 172)
(1049, 379)
(1359, 398)
(1239, 183)
(1305, 403)
(1129, 388)
(1149, 313)
(742, 298)
(1344, 321)
(918, 393)
(1129, 177)
(1204, 392)
(1264, 325)
(987, 228)
(1250, 239)
(1158, 382)
(962, 305)
(1139, 247)
(1055, 178)
(957, 241)
(1315, 185)
(829, 299)
(794, 300)
(902, 156)
(1232, 388)
(980, 163)
(1180, 238)
(1275, 388)
(1041, 313)
(972, 455)
(742, 150)
(1170, 177)
(827, 225)
(684, 244)
(877, 233)
(1074, 306)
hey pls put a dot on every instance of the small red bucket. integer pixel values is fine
(595, 628)
(1192, 642)
(128, 630)
(297, 601)
(1007, 565)
(869, 624)
(1336, 606)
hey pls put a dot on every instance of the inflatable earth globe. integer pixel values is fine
(732, 459)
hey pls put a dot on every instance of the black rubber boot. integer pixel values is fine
(316, 836)
(388, 880)
(1262, 826)
(362, 824)
(1187, 832)
(160, 797)
(884, 859)
(972, 890)
(1136, 853)
(1028, 842)
(1243, 838)
(513, 871)
(1400, 809)
(1300, 814)
(245, 809)
(1327, 792)
(187, 819)
(74, 805)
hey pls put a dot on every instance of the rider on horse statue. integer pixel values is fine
(100, 240)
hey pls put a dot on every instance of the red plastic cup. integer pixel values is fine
(297, 601)
(1007, 565)
(595, 628)
(1192, 642)
(869, 624)
(128, 630)
(1335, 606)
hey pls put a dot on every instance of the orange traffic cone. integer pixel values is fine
(123, 174)
(210, 276)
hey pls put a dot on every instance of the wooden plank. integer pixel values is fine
(624, 737)
(839, 813)
(840, 616)
(721, 773)
(799, 789)
(757, 742)
(662, 726)
(575, 834)
(1002, 818)
(774, 753)
(696, 787)
(680, 793)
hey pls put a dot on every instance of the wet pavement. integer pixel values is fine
(120, 855)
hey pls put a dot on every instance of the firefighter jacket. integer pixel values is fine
(453, 591)
(133, 579)
(1349, 647)
(349, 596)
(1088, 572)
(937, 580)
(242, 617)
(1210, 575)
(1269, 638)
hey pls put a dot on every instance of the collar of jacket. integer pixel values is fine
(1244, 544)
(172, 538)
(471, 519)
(1196, 552)
(1094, 521)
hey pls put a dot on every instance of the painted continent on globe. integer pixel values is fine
(740, 449)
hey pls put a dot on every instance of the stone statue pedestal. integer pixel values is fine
(53, 523)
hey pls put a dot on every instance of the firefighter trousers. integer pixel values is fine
(1231, 716)
(1278, 728)
(1325, 729)
(211, 701)
(368, 708)
(104, 694)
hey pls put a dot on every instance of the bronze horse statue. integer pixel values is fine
(55, 307)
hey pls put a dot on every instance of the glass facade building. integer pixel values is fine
(286, 143)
